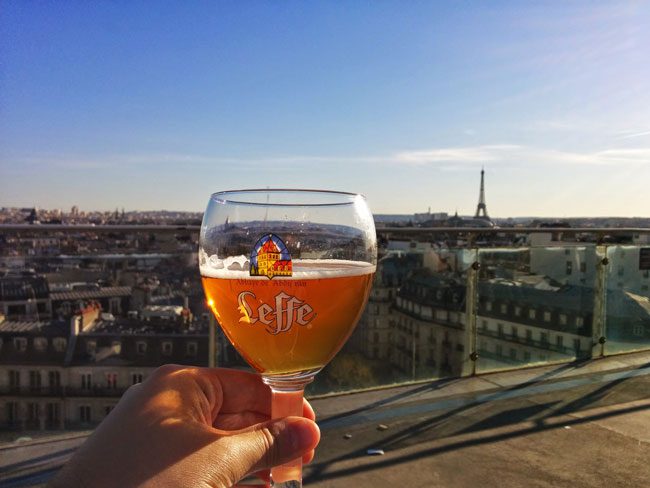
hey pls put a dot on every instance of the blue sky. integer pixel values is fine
(150, 105)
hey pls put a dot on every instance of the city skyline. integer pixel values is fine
(109, 106)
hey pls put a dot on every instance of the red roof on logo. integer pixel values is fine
(280, 263)
(269, 246)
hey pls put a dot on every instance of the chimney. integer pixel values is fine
(85, 318)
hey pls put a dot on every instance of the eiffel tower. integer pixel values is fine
(481, 208)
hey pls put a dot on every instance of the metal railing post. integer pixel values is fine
(600, 302)
(471, 298)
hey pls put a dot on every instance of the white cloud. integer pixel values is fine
(448, 158)
(468, 154)
(633, 134)
(517, 155)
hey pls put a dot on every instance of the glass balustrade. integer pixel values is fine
(445, 303)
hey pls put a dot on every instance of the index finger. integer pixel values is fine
(240, 390)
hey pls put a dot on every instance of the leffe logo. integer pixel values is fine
(279, 317)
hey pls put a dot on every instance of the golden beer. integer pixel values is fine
(289, 324)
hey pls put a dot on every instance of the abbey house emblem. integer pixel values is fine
(270, 257)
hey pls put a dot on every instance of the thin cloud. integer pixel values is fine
(469, 154)
(630, 134)
(454, 157)
(517, 155)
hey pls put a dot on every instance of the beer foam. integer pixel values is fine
(237, 267)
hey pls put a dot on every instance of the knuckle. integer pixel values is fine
(166, 370)
(268, 445)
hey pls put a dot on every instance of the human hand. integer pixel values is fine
(190, 427)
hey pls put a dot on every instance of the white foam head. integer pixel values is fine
(237, 267)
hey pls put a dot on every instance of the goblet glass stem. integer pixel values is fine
(285, 404)
(286, 401)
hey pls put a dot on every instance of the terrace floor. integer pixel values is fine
(573, 425)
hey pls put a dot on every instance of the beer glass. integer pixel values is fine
(287, 274)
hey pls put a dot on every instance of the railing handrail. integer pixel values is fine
(193, 229)
(68, 228)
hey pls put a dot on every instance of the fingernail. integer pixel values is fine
(303, 434)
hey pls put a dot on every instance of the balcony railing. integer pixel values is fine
(524, 341)
(61, 391)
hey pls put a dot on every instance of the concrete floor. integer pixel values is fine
(584, 425)
(573, 426)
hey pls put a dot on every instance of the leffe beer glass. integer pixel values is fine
(287, 274)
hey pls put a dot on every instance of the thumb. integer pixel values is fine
(269, 444)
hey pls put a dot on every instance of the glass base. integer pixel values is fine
(287, 484)
(290, 381)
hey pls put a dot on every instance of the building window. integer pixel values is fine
(84, 414)
(484, 324)
(108, 409)
(576, 346)
(504, 308)
(59, 344)
(559, 341)
(141, 347)
(638, 330)
(191, 348)
(54, 379)
(543, 337)
(532, 313)
(583, 267)
(529, 335)
(11, 410)
(527, 356)
(40, 344)
(500, 330)
(488, 306)
(569, 268)
(14, 380)
(20, 344)
(53, 413)
(547, 316)
(375, 337)
(580, 321)
(32, 412)
(34, 380)
(562, 319)
(515, 332)
(167, 348)
(499, 350)
(513, 354)
(136, 378)
(111, 381)
(518, 311)
(621, 271)
(86, 381)
(91, 347)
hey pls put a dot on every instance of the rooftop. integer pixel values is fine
(109, 291)
(575, 425)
